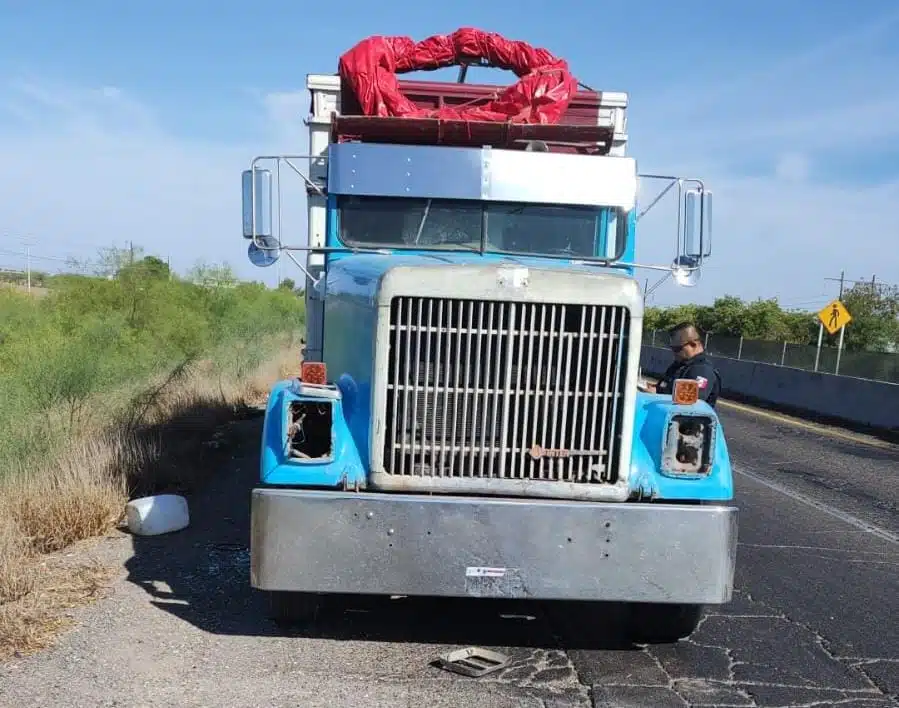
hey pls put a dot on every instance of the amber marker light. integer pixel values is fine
(314, 372)
(685, 392)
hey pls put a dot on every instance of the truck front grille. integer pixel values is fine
(527, 391)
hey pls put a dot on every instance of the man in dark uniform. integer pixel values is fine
(690, 362)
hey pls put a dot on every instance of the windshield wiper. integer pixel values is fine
(449, 245)
(421, 224)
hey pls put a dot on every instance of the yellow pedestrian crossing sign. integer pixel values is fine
(835, 316)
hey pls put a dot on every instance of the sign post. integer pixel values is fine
(820, 337)
(836, 369)
(834, 317)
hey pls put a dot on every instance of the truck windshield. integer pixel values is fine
(497, 227)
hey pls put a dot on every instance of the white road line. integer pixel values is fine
(874, 530)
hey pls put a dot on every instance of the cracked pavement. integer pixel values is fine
(809, 624)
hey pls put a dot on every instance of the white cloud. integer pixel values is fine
(286, 111)
(849, 126)
(778, 237)
(792, 167)
(86, 167)
(853, 56)
(797, 153)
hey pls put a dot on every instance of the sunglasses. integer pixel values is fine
(677, 348)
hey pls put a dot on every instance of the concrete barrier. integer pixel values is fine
(858, 402)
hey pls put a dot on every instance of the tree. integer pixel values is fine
(725, 316)
(763, 319)
(287, 284)
(875, 317)
(156, 268)
(212, 275)
(665, 317)
(109, 261)
(148, 268)
(801, 327)
(874, 309)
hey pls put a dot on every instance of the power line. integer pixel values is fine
(26, 254)
(30, 258)
(842, 280)
(793, 304)
(68, 241)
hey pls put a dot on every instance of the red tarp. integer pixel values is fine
(541, 95)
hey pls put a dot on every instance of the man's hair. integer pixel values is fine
(686, 327)
(682, 326)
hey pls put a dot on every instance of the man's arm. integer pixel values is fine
(664, 386)
(646, 386)
(704, 373)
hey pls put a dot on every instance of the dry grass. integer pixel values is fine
(36, 291)
(82, 495)
(157, 443)
(60, 583)
(15, 583)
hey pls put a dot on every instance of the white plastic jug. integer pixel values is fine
(151, 516)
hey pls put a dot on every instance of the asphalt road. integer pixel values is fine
(817, 583)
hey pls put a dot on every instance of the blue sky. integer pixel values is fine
(133, 121)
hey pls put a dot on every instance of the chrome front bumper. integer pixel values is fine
(392, 544)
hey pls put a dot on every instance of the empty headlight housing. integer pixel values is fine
(689, 445)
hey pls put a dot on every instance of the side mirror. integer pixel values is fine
(695, 241)
(706, 212)
(697, 234)
(257, 203)
(685, 271)
(266, 255)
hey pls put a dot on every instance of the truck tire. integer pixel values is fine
(293, 607)
(651, 623)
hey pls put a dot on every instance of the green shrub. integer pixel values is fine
(94, 335)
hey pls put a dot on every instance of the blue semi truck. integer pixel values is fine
(468, 420)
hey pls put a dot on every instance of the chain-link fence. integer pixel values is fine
(866, 365)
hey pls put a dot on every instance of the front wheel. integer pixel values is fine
(660, 623)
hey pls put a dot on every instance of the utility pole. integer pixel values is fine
(27, 243)
(841, 280)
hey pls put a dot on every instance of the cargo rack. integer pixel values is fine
(579, 133)
(588, 139)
